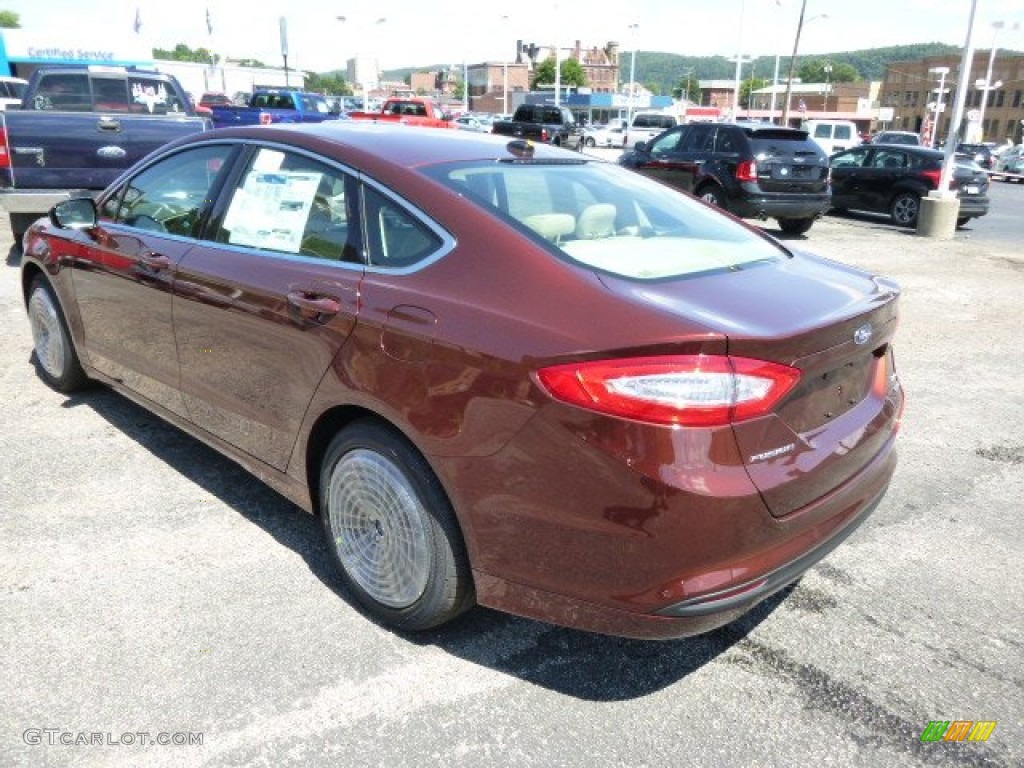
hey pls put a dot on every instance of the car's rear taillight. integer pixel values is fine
(934, 176)
(682, 390)
(5, 155)
(746, 171)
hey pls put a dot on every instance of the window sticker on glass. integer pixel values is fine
(271, 208)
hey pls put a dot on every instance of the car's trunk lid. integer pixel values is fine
(835, 325)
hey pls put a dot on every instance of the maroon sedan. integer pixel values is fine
(500, 373)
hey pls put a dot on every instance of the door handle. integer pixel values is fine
(109, 124)
(155, 260)
(314, 306)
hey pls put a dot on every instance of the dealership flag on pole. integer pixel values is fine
(137, 26)
(209, 22)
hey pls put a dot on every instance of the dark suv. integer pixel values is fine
(751, 170)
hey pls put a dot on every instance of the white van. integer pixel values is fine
(833, 135)
(647, 125)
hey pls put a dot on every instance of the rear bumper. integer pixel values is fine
(973, 207)
(809, 206)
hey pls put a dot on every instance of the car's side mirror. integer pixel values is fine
(641, 146)
(76, 213)
(446, 116)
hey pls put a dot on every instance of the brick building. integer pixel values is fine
(909, 88)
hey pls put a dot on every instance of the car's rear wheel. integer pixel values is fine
(962, 221)
(391, 529)
(905, 208)
(589, 141)
(713, 194)
(795, 226)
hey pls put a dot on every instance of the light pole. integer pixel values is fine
(504, 74)
(632, 75)
(739, 64)
(792, 61)
(828, 78)
(775, 77)
(987, 85)
(939, 105)
(363, 83)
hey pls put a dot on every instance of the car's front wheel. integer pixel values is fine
(795, 226)
(589, 141)
(391, 529)
(54, 351)
(905, 208)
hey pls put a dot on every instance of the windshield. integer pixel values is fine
(610, 218)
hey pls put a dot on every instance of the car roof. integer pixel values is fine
(399, 146)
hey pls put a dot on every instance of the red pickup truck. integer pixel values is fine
(414, 111)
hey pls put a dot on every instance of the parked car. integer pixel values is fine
(471, 123)
(753, 170)
(979, 153)
(215, 99)
(896, 137)
(611, 135)
(12, 91)
(687, 418)
(1010, 164)
(893, 178)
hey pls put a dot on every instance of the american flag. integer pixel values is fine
(137, 25)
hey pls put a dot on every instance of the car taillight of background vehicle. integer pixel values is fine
(746, 171)
(680, 390)
(934, 175)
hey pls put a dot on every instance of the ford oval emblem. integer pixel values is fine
(863, 334)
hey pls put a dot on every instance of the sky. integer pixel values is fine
(410, 33)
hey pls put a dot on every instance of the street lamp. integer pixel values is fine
(987, 85)
(504, 74)
(939, 105)
(366, 92)
(739, 64)
(792, 61)
(632, 76)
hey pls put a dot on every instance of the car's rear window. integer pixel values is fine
(609, 218)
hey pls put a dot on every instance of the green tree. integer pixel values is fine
(182, 52)
(9, 20)
(330, 83)
(571, 73)
(688, 88)
(813, 71)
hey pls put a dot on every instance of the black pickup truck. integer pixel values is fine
(79, 128)
(541, 123)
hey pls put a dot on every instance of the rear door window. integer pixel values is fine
(67, 92)
(153, 96)
(700, 138)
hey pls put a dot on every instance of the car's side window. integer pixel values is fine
(725, 141)
(666, 143)
(395, 238)
(110, 94)
(153, 96)
(849, 159)
(292, 204)
(64, 91)
(888, 158)
(698, 139)
(171, 195)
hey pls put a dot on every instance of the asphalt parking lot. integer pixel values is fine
(154, 592)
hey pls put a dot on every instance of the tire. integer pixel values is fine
(795, 226)
(391, 529)
(713, 194)
(905, 208)
(962, 221)
(53, 351)
(20, 222)
(589, 141)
